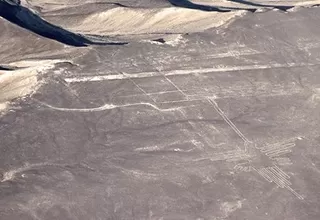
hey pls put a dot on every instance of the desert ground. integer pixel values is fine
(159, 110)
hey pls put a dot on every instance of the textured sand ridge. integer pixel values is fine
(119, 20)
(122, 21)
(15, 84)
(19, 83)
(147, 20)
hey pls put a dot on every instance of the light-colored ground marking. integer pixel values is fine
(279, 177)
(118, 76)
(142, 90)
(234, 91)
(279, 149)
(185, 95)
(271, 174)
(109, 107)
(198, 132)
(229, 122)
(11, 174)
(229, 156)
(237, 52)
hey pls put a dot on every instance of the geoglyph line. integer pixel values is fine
(271, 174)
(281, 179)
(109, 107)
(195, 127)
(279, 149)
(234, 91)
(264, 175)
(142, 90)
(117, 76)
(175, 86)
(281, 172)
(237, 52)
(230, 156)
(228, 121)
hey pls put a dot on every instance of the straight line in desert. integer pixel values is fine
(97, 78)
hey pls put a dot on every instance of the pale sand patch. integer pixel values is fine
(314, 99)
(21, 82)
(229, 207)
(15, 84)
(3, 106)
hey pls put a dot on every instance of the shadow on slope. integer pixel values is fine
(280, 7)
(7, 68)
(25, 18)
(188, 4)
(191, 5)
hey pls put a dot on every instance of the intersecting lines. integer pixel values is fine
(247, 156)
(182, 72)
(142, 90)
(186, 96)
(271, 173)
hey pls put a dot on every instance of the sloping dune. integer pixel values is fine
(22, 44)
(125, 18)
(139, 18)
(127, 21)
(24, 56)
(21, 82)
(53, 5)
